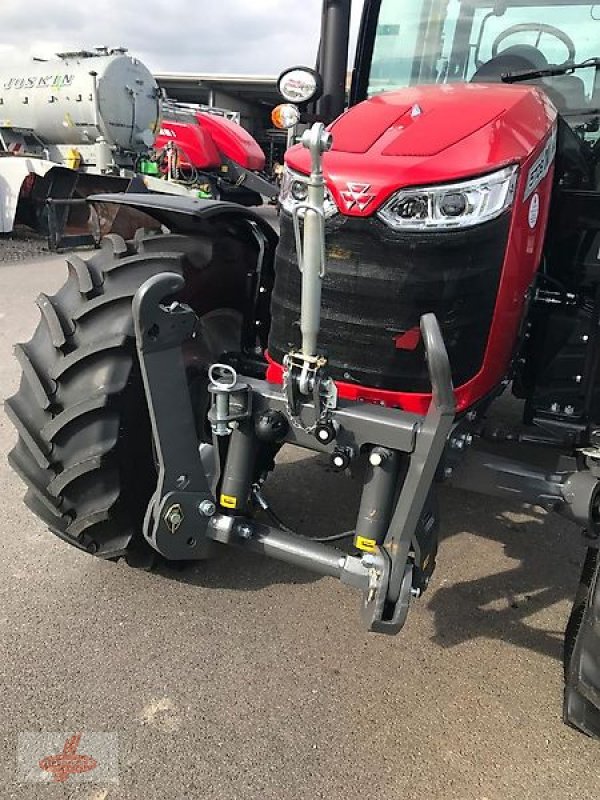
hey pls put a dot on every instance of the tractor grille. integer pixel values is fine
(378, 285)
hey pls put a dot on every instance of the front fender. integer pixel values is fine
(182, 214)
(191, 216)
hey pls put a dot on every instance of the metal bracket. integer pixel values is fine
(173, 524)
(430, 443)
(374, 606)
(304, 377)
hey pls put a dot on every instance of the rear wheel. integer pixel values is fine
(579, 605)
(582, 652)
(84, 447)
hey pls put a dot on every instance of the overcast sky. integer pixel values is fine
(239, 36)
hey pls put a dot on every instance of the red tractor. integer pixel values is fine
(205, 150)
(439, 246)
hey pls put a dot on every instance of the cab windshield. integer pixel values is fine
(441, 41)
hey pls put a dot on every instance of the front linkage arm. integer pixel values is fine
(429, 448)
(182, 486)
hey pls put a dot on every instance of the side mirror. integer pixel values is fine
(300, 85)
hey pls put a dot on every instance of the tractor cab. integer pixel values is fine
(557, 44)
(410, 42)
(551, 44)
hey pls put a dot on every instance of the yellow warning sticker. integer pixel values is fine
(367, 545)
(227, 501)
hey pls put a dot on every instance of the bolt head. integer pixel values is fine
(448, 472)
(244, 531)
(173, 518)
(376, 459)
(207, 508)
(569, 411)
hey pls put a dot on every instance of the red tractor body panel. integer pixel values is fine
(196, 145)
(430, 135)
(208, 140)
(233, 141)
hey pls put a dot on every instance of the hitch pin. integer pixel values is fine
(222, 385)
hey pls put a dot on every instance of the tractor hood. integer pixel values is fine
(428, 135)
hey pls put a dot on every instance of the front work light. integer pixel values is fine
(300, 85)
(293, 192)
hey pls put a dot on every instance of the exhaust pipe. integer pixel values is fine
(333, 58)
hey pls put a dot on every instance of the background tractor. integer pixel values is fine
(90, 121)
(204, 149)
(439, 246)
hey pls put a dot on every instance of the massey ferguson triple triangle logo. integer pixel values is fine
(357, 194)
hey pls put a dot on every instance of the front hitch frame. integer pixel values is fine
(184, 519)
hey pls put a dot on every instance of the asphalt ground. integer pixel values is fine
(246, 678)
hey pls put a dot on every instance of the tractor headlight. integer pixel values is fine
(294, 192)
(457, 205)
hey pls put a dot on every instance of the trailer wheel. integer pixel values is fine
(84, 445)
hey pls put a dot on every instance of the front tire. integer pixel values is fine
(84, 448)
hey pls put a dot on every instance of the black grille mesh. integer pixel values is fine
(377, 286)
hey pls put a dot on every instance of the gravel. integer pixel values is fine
(22, 244)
